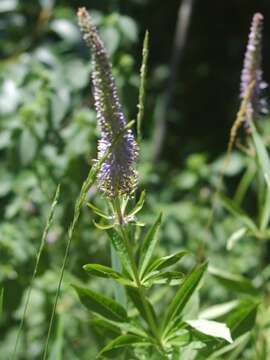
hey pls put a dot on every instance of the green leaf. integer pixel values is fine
(135, 297)
(138, 205)
(233, 282)
(122, 251)
(103, 226)
(216, 311)
(168, 277)
(98, 211)
(236, 235)
(165, 261)
(211, 328)
(233, 208)
(101, 305)
(242, 318)
(234, 349)
(148, 246)
(121, 342)
(106, 272)
(105, 327)
(182, 296)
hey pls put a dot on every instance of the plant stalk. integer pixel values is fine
(151, 321)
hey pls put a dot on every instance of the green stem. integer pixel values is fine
(151, 321)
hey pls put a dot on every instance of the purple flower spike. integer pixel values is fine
(117, 176)
(252, 71)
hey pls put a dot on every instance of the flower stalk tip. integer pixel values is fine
(117, 176)
(252, 71)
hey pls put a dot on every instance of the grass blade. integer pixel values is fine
(40, 250)
(143, 74)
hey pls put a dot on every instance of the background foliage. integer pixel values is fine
(48, 136)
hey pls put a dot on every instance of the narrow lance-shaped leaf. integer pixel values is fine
(121, 342)
(182, 296)
(106, 272)
(101, 305)
(242, 318)
(138, 205)
(98, 211)
(122, 251)
(166, 261)
(211, 328)
(135, 297)
(167, 277)
(148, 246)
(235, 237)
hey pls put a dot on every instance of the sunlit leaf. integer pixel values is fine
(236, 235)
(211, 328)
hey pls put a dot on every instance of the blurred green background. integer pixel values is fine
(48, 136)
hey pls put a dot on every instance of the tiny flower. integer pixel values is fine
(117, 175)
(252, 71)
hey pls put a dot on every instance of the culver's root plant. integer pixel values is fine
(139, 327)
